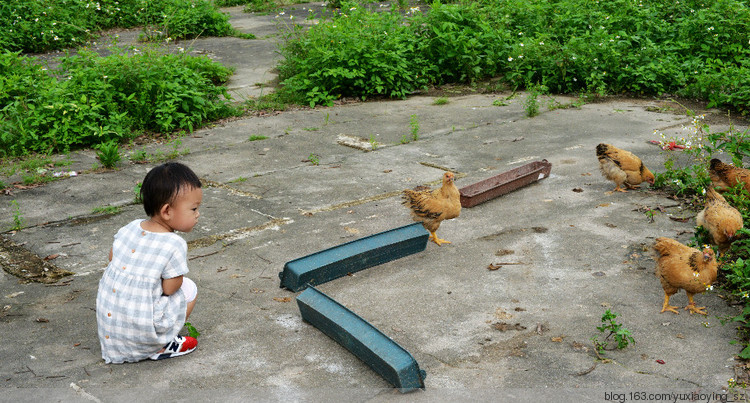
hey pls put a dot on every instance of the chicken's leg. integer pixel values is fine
(438, 241)
(619, 189)
(694, 309)
(666, 306)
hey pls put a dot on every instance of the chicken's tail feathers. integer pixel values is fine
(602, 149)
(663, 245)
(715, 165)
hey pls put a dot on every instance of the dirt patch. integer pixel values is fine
(27, 266)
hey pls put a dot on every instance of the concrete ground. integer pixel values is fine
(568, 248)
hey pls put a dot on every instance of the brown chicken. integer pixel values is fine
(720, 219)
(682, 267)
(724, 176)
(431, 207)
(622, 167)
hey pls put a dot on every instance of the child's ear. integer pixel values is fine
(165, 211)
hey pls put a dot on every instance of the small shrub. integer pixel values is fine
(108, 154)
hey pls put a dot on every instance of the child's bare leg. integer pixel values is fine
(190, 306)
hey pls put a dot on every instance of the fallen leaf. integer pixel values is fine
(556, 339)
(586, 174)
(283, 299)
(577, 190)
(679, 219)
(504, 327)
(604, 205)
(501, 314)
(493, 266)
(257, 291)
(42, 320)
(519, 309)
(351, 230)
(76, 345)
(680, 336)
(387, 171)
(52, 257)
(660, 362)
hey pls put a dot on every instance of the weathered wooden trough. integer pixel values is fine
(378, 351)
(503, 183)
(353, 256)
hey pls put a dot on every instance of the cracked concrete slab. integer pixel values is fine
(504, 313)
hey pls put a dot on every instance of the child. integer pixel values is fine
(143, 299)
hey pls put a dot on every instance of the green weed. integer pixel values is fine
(314, 159)
(137, 192)
(17, 216)
(440, 101)
(110, 210)
(256, 137)
(414, 124)
(621, 335)
(373, 143)
(192, 331)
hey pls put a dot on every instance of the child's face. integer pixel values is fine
(185, 209)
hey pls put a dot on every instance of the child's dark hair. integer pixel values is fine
(162, 183)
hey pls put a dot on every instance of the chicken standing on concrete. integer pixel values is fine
(721, 220)
(682, 267)
(622, 167)
(724, 176)
(431, 207)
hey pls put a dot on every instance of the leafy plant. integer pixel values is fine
(108, 154)
(373, 143)
(192, 331)
(531, 104)
(314, 159)
(17, 216)
(414, 123)
(256, 137)
(621, 335)
(140, 156)
(137, 192)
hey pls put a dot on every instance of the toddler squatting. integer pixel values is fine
(144, 298)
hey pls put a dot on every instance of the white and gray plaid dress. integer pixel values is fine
(134, 319)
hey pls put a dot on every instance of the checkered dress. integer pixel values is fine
(134, 319)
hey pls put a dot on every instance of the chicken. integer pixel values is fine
(720, 219)
(724, 176)
(682, 267)
(622, 167)
(431, 207)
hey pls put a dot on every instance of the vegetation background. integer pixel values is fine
(694, 49)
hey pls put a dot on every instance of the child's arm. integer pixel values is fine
(170, 286)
